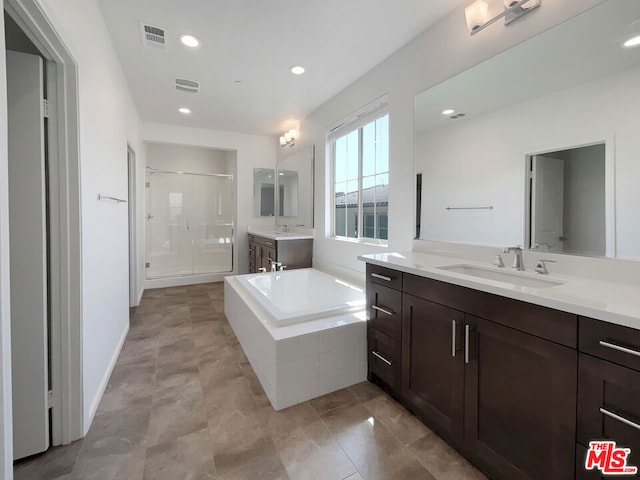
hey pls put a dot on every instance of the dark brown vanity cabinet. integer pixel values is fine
(384, 327)
(292, 253)
(433, 364)
(493, 376)
(608, 391)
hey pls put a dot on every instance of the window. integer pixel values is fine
(360, 157)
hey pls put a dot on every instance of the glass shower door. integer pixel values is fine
(189, 224)
(213, 220)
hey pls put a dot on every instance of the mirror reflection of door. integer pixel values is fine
(267, 193)
(567, 201)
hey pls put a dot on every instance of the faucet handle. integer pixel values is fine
(497, 261)
(541, 266)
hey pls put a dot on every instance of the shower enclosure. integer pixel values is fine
(189, 223)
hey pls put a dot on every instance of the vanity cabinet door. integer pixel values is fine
(433, 365)
(609, 407)
(520, 403)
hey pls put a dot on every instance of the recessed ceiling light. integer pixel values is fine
(238, 82)
(184, 110)
(189, 40)
(448, 111)
(632, 42)
(297, 70)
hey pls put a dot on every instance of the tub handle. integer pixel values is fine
(381, 277)
(383, 310)
(262, 270)
(381, 357)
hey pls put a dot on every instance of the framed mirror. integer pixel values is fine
(264, 192)
(569, 93)
(294, 189)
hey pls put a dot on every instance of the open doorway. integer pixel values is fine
(51, 188)
(133, 257)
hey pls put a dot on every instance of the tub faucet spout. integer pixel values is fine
(275, 265)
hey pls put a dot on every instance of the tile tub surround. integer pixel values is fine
(300, 361)
(184, 403)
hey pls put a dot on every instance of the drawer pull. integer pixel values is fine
(269, 244)
(620, 419)
(381, 357)
(381, 277)
(466, 344)
(613, 346)
(383, 310)
(453, 338)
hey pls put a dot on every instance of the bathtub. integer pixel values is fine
(303, 331)
(296, 296)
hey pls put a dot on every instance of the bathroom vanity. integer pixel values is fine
(290, 250)
(519, 379)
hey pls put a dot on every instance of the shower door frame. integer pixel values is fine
(152, 170)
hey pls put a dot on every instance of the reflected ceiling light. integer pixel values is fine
(632, 42)
(448, 111)
(184, 110)
(189, 40)
(297, 70)
(289, 138)
(477, 14)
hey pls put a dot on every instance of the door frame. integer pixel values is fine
(65, 220)
(133, 231)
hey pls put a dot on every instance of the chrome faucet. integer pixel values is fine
(285, 229)
(275, 265)
(518, 264)
(541, 266)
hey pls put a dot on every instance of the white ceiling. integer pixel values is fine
(257, 42)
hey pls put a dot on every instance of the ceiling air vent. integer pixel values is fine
(189, 86)
(457, 116)
(152, 36)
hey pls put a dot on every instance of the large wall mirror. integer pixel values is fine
(294, 189)
(542, 148)
(264, 193)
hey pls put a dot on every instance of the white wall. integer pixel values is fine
(250, 151)
(6, 416)
(440, 52)
(108, 122)
(184, 158)
(465, 163)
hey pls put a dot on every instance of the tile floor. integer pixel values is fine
(183, 403)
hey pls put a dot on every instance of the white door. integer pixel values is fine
(27, 220)
(547, 204)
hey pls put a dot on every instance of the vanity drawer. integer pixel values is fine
(384, 276)
(616, 343)
(385, 310)
(267, 242)
(384, 357)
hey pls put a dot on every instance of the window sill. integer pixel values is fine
(361, 241)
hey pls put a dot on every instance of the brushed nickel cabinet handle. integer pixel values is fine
(619, 418)
(466, 344)
(381, 277)
(453, 338)
(269, 244)
(613, 346)
(383, 310)
(381, 357)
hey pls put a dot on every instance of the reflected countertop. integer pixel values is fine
(613, 302)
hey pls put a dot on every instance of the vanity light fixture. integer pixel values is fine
(477, 14)
(632, 42)
(289, 138)
(189, 40)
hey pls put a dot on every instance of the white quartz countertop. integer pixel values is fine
(279, 235)
(612, 302)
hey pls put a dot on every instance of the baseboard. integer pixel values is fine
(105, 381)
(140, 293)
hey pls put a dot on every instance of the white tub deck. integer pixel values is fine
(304, 360)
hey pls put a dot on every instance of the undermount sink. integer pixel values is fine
(514, 278)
